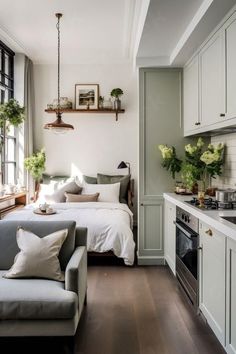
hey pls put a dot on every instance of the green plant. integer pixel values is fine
(35, 164)
(116, 92)
(198, 164)
(11, 113)
(170, 160)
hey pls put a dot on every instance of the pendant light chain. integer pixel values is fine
(58, 126)
(58, 64)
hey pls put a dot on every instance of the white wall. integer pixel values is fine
(98, 142)
(228, 177)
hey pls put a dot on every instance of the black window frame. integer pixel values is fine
(7, 83)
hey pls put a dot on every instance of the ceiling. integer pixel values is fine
(174, 29)
(147, 32)
(91, 31)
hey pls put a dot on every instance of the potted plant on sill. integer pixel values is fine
(117, 92)
(11, 114)
(35, 164)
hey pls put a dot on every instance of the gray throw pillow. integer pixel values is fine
(124, 183)
(47, 179)
(90, 180)
(38, 256)
(59, 195)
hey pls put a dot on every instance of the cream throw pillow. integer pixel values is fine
(107, 192)
(38, 257)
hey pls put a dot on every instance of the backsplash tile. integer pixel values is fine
(228, 177)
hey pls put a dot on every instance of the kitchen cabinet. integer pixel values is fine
(230, 35)
(209, 97)
(211, 61)
(231, 298)
(212, 279)
(191, 96)
(160, 122)
(169, 234)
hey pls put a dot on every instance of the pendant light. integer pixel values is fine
(58, 126)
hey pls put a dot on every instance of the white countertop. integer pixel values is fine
(210, 217)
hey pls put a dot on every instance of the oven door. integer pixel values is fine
(186, 247)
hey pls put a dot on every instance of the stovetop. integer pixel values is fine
(211, 204)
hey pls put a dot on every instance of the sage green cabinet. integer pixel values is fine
(230, 51)
(160, 123)
(212, 279)
(169, 234)
(231, 298)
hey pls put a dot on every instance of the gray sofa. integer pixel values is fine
(41, 307)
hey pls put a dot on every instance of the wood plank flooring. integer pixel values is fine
(140, 311)
(133, 310)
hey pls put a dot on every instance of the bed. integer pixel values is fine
(109, 224)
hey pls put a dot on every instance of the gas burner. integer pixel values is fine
(211, 204)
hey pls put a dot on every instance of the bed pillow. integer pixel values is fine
(59, 195)
(38, 257)
(107, 192)
(124, 184)
(51, 178)
(90, 180)
(81, 198)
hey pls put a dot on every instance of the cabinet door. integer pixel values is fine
(169, 234)
(231, 297)
(212, 91)
(230, 36)
(191, 96)
(212, 279)
(160, 123)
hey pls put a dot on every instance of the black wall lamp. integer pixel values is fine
(123, 164)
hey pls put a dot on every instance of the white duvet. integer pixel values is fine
(109, 224)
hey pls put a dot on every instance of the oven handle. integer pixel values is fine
(187, 234)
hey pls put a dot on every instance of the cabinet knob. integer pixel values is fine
(222, 114)
(197, 123)
(209, 232)
(199, 248)
(141, 204)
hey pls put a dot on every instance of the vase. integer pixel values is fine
(117, 104)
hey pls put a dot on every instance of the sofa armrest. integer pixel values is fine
(81, 236)
(76, 274)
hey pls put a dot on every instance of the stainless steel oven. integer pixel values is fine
(187, 241)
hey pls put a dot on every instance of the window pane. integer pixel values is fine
(10, 167)
(6, 64)
(10, 149)
(11, 131)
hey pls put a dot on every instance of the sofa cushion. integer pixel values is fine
(35, 299)
(8, 244)
(38, 257)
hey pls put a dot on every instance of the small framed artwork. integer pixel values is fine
(86, 96)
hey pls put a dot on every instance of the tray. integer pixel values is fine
(39, 212)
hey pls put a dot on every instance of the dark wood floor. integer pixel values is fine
(137, 310)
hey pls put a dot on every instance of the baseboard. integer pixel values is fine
(142, 260)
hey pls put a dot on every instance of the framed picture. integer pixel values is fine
(86, 96)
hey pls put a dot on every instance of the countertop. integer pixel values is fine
(210, 217)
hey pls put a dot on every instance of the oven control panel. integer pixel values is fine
(188, 219)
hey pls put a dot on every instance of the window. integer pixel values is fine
(8, 138)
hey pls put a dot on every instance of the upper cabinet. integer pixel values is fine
(191, 96)
(210, 83)
(230, 42)
(211, 64)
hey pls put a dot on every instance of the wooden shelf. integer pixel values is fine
(18, 201)
(97, 111)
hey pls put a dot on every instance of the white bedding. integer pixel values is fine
(109, 224)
